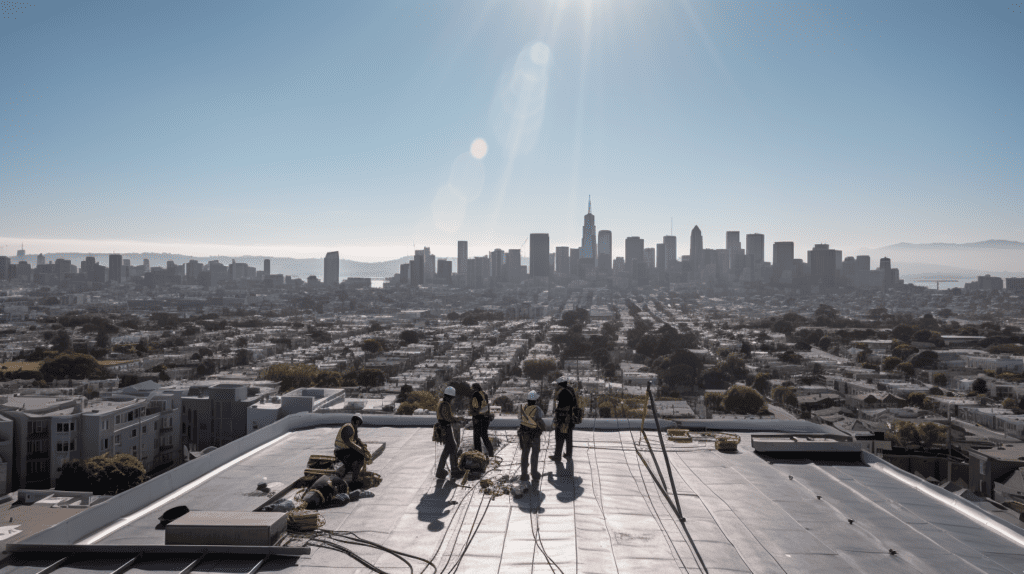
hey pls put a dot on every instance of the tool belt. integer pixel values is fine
(441, 431)
(527, 436)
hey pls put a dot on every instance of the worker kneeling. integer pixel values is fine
(531, 425)
(351, 452)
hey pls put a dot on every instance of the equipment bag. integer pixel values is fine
(439, 432)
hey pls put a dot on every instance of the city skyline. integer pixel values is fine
(196, 131)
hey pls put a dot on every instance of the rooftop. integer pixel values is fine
(745, 512)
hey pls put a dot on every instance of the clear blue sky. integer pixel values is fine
(293, 128)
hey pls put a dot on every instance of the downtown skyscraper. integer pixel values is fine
(588, 247)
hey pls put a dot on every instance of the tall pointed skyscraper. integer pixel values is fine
(696, 248)
(588, 248)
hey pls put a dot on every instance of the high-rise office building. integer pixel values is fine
(671, 257)
(574, 262)
(40, 260)
(416, 271)
(114, 275)
(513, 265)
(634, 253)
(266, 270)
(755, 248)
(822, 263)
(782, 256)
(463, 258)
(863, 263)
(540, 249)
(696, 248)
(659, 257)
(5, 268)
(604, 250)
(497, 265)
(331, 268)
(444, 271)
(588, 247)
(650, 257)
(562, 260)
(732, 240)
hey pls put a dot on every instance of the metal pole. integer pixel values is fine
(664, 451)
(949, 443)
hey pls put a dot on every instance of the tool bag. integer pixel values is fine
(473, 460)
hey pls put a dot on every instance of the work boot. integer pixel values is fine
(553, 457)
(568, 456)
(441, 474)
(524, 478)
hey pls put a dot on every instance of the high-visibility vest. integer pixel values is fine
(444, 411)
(339, 442)
(480, 403)
(527, 416)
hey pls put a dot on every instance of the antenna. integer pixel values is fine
(670, 228)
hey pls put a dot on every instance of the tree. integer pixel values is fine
(372, 346)
(762, 383)
(903, 332)
(916, 399)
(930, 434)
(979, 386)
(903, 351)
(906, 434)
(791, 358)
(785, 395)
(890, 363)
(940, 379)
(742, 400)
(1010, 403)
(536, 369)
(784, 327)
(936, 391)
(72, 366)
(825, 343)
(103, 339)
(409, 337)
(906, 368)
(61, 342)
(925, 360)
(370, 377)
(102, 474)
(505, 403)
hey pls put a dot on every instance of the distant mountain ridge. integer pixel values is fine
(989, 244)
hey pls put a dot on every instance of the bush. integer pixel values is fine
(713, 401)
(742, 400)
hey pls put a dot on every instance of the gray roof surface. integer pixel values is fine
(601, 514)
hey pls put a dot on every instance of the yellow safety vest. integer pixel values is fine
(444, 412)
(480, 403)
(339, 442)
(527, 416)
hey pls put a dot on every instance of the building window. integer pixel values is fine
(106, 443)
(143, 429)
(117, 440)
(117, 419)
(135, 433)
(105, 425)
(131, 415)
(39, 426)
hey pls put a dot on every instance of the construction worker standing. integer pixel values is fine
(481, 410)
(531, 425)
(565, 402)
(348, 449)
(446, 420)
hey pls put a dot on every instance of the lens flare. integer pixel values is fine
(478, 149)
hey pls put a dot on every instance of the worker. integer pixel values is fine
(447, 420)
(565, 402)
(351, 452)
(531, 425)
(481, 410)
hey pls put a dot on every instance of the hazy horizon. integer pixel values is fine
(300, 128)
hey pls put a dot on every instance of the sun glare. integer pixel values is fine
(478, 149)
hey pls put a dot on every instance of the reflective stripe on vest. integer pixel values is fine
(527, 414)
(339, 442)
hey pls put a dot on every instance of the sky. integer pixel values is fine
(375, 128)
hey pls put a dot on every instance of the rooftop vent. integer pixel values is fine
(227, 528)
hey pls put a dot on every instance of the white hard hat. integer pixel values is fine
(450, 391)
(560, 380)
(532, 396)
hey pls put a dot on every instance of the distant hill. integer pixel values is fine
(301, 268)
(989, 244)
